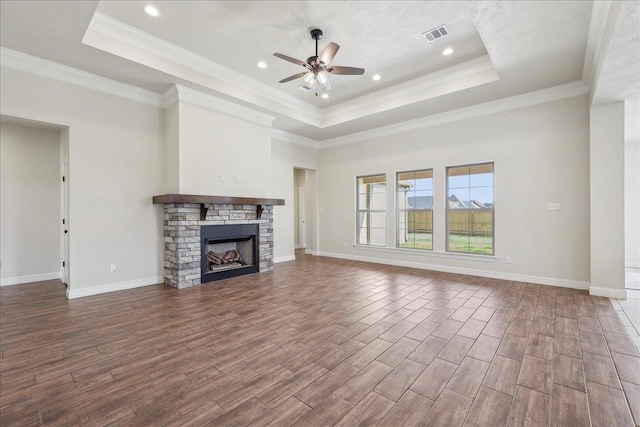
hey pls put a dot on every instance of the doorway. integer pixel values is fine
(304, 206)
(299, 209)
(32, 201)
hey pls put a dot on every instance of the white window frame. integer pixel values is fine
(369, 211)
(403, 211)
(470, 210)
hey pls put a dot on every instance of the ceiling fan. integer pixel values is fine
(318, 66)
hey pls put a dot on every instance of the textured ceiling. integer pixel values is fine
(620, 75)
(384, 37)
(532, 45)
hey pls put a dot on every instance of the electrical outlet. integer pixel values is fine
(553, 206)
(508, 260)
(222, 178)
(277, 246)
(344, 244)
(237, 179)
(112, 268)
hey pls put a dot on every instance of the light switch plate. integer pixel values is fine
(553, 206)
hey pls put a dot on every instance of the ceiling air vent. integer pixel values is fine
(436, 33)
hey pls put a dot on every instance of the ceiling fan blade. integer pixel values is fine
(352, 71)
(295, 76)
(328, 53)
(290, 59)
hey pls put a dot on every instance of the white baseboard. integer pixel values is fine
(296, 246)
(95, 290)
(608, 292)
(539, 280)
(284, 258)
(9, 281)
(310, 252)
(632, 264)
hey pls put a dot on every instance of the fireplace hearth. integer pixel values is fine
(228, 251)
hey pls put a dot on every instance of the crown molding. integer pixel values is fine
(31, 64)
(52, 70)
(169, 97)
(294, 139)
(519, 101)
(115, 37)
(193, 97)
(468, 74)
(597, 24)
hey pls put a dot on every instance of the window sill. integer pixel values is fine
(429, 254)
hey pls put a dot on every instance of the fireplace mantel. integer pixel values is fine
(197, 198)
(206, 200)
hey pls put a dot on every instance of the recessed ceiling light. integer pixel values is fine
(262, 65)
(325, 95)
(376, 77)
(151, 10)
(447, 51)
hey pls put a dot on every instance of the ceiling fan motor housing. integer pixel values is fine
(313, 61)
(316, 34)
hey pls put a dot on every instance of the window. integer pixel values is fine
(415, 209)
(470, 209)
(372, 207)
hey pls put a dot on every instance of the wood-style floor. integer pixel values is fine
(318, 341)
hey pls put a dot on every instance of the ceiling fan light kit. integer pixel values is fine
(318, 66)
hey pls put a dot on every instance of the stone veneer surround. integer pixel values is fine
(182, 222)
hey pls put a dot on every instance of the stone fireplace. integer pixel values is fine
(196, 225)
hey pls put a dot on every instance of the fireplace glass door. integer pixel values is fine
(228, 251)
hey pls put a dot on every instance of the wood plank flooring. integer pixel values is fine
(318, 341)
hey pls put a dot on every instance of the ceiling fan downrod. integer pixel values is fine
(316, 34)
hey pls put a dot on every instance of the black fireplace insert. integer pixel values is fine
(229, 250)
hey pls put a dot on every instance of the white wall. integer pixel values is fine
(632, 205)
(116, 161)
(285, 156)
(632, 184)
(541, 155)
(213, 144)
(118, 156)
(29, 203)
(607, 199)
(312, 225)
(171, 170)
